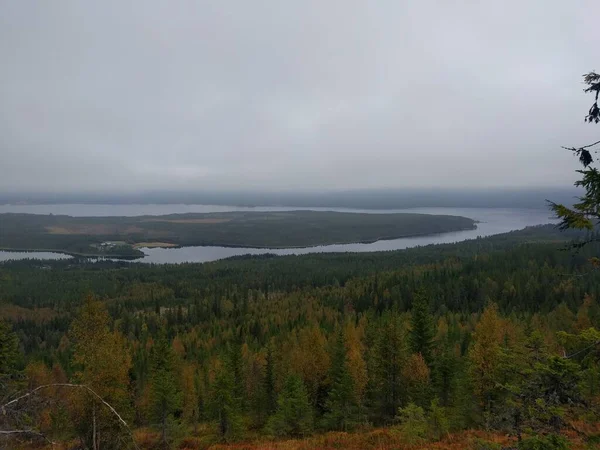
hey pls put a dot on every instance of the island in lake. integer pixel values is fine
(124, 236)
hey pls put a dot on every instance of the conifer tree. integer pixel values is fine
(236, 366)
(269, 384)
(165, 394)
(224, 406)
(385, 389)
(9, 346)
(294, 415)
(422, 331)
(341, 405)
(485, 357)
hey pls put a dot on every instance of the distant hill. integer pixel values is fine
(361, 198)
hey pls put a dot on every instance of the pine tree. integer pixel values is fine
(341, 405)
(294, 415)
(422, 331)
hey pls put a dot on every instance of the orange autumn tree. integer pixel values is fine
(485, 356)
(103, 362)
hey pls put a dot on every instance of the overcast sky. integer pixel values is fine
(129, 96)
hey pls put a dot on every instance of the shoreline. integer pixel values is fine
(69, 253)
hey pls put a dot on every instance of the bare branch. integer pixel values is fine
(32, 432)
(75, 386)
(582, 350)
(579, 148)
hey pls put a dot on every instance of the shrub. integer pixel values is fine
(550, 442)
(413, 423)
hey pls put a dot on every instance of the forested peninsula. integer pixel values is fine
(123, 236)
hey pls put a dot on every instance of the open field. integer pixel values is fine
(209, 220)
(116, 236)
(153, 245)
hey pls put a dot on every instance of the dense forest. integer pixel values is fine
(484, 344)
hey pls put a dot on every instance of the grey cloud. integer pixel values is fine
(129, 96)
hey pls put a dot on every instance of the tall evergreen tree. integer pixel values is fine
(269, 383)
(385, 389)
(235, 364)
(341, 404)
(9, 350)
(422, 330)
(294, 415)
(165, 394)
(223, 405)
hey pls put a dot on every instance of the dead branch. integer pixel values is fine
(4, 407)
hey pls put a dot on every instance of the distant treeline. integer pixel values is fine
(364, 198)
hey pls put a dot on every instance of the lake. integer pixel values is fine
(492, 221)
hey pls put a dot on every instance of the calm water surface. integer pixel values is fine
(492, 221)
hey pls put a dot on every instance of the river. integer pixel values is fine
(491, 221)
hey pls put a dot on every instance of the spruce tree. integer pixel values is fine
(294, 415)
(9, 347)
(165, 395)
(341, 405)
(385, 389)
(422, 332)
(270, 393)
(223, 405)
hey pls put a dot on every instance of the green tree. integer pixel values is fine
(422, 330)
(386, 391)
(165, 394)
(413, 423)
(586, 213)
(341, 405)
(223, 405)
(437, 420)
(269, 383)
(9, 350)
(294, 415)
(554, 386)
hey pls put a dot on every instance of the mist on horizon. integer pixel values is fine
(106, 98)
